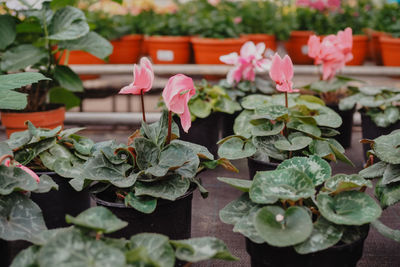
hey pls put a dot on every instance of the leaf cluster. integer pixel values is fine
(301, 205)
(172, 24)
(258, 16)
(82, 245)
(387, 19)
(244, 88)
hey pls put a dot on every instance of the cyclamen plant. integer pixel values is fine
(319, 4)
(301, 205)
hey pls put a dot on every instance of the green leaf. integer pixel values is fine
(68, 23)
(5, 149)
(15, 179)
(387, 148)
(254, 101)
(328, 117)
(386, 118)
(387, 195)
(46, 184)
(349, 102)
(324, 235)
(41, 133)
(200, 108)
(391, 174)
(7, 31)
(386, 231)
(226, 105)
(374, 171)
(99, 219)
(236, 210)
(169, 188)
(71, 248)
(158, 131)
(158, 248)
(27, 257)
(349, 208)
(55, 152)
(296, 143)
(20, 218)
(68, 79)
(241, 184)
(92, 43)
(82, 145)
(236, 148)
(143, 204)
(201, 248)
(246, 227)
(266, 148)
(266, 128)
(309, 129)
(352, 233)
(22, 56)
(57, 4)
(60, 95)
(18, 80)
(285, 184)
(242, 125)
(314, 167)
(12, 100)
(271, 112)
(19, 139)
(201, 151)
(282, 228)
(343, 182)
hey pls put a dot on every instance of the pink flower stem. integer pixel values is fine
(285, 131)
(169, 128)
(143, 111)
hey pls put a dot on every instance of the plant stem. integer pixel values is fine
(143, 111)
(285, 131)
(169, 128)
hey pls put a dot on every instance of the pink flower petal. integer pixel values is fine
(230, 59)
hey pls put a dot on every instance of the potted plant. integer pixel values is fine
(386, 149)
(36, 42)
(271, 129)
(380, 112)
(215, 32)
(150, 181)
(300, 215)
(333, 53)
(146, 249)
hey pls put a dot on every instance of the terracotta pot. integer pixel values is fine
(168, 49)
(208, 50)
(360, 49)
(81, 57)
(15, 121)
(297, 47)
(268, 39)
(376, 46)
(390, 49)
(126, 49)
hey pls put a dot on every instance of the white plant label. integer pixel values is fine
(165, 55)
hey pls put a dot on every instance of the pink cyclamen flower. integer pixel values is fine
(237, 20)
(250, 60)
(143, 77)
(213, 2)
(176, 95)
(282, 73)
(7, 163)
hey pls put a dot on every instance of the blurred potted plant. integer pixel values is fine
(146, 249)
(390, 41)
(300, 215)
(271, 129)
(31, 44)
(214, 29)
(150, 181)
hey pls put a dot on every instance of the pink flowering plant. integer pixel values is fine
(278, 127)
(154, 164)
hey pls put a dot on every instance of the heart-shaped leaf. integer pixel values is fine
(68, 23)
(254, 101)
(241, 184)
(236, 210)
(387, 195)
(271, 112)
(246, 227)
(342, 182)
(374, 171)
(15, 179)
(143, 204)
(242, 125)
(236, 148)
(266, 128)
(387, 148)
(296, 143)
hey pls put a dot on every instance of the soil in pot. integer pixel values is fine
(297, 47)
(52, 117)
(343, 255)
(56, 204)
(268, 39)
(203, 132)
(371, 131)
(360, 49)
(346, 129)
(126, 49)
(256, 165)
(169, 49)
(390, 50)
(171, 218)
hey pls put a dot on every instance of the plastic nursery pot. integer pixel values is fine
(390, 50)
(256, 165)
(208, 50)
(15, 121)
(228, 121)
(58, 203)
(81, 57)
(126, 49)
(346, 129)
(203, 132)
(297, 47)
(268, 39)
(343, 255)
(5, 258)
(168, 49)
(376, 47)
(371, 131)
(360, 49)
(170, 218)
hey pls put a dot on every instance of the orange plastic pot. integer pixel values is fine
(390, 49)
(268, 39)
(297, 47)
(126, 49)
(15, 121)
(81, 57)
(168, 49)
(360, 49)
(208, 50)
(376, 47)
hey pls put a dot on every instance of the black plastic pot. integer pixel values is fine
(346, 129)
(258, 165)
(227, 123)
(4, 255)
(343, 255)
(371, 131)
(171, 218)
(204, 132)
(56, 204)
